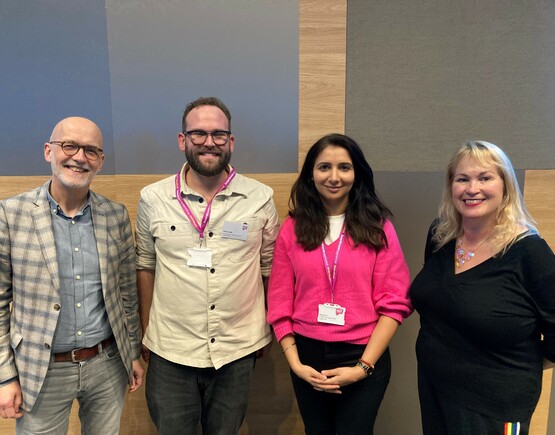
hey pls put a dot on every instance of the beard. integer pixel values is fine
(207, 170)
(69, 180)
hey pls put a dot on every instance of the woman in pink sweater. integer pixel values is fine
(338, 290)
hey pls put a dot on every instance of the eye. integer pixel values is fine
(460, 180)
(345, 167)
(323, 167)
(92, 151)
(70, 147)
(485, 178)
(219, 134)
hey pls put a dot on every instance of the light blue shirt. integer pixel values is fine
(83, 321)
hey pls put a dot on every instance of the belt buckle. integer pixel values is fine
(73, 359)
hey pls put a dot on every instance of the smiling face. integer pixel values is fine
(334, 176)
(209, 159)
(73, 172)
(477, 191)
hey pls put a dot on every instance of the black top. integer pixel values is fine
(480, 338)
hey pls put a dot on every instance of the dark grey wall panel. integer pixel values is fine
(53, 64)
(422, 77)
(166, 53)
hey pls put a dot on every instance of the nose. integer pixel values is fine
(209, 142)
(80, 155)
(472, 188)
(334, 175)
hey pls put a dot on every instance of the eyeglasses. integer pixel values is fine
(198, 137)
(70, 149)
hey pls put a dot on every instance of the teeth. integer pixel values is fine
(76, 169)
(472, 201)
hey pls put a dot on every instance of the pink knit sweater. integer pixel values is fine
(369, 284)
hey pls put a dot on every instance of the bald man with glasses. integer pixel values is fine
(67, 267)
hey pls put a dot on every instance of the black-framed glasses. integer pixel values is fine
(70, 149)
(198, 137)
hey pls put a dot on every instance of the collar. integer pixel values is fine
(236, 187)
(56, 209)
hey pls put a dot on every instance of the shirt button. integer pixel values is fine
(56, 307)
(201, 200)
(79, 333)
(78, 277)
(212, 307)
(212, 340)
(76, 249)
(212, 270)
(78, 304)
(72, 222)
(210, 234)
(46, 346)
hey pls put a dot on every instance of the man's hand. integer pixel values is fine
(10, 400)
(138, 375)
(265, 351)
(145, 353)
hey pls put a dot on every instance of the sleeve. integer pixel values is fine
(269, 233)
(391, 279)
(540, 272)
(128, 284)
(282, 284)
(7, 364)
(145, 250)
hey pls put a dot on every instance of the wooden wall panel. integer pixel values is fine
(322, 62)
(539, 194)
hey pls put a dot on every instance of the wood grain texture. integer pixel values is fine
(539, 194)
(322, 62)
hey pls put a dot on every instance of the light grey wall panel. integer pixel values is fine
(423, 77)
(166, 53)
(53, 64)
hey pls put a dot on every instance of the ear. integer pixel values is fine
(231, 143)
(101, 163)
(181, 141)
(47, 152)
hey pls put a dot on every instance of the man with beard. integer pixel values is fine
(205, 239)
(67, 266)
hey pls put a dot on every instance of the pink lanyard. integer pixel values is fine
(332, 273)
(206, 217)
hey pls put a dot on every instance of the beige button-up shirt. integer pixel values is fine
(206, 317)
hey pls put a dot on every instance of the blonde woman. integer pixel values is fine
(485, 296)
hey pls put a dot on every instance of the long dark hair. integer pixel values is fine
(365, 213)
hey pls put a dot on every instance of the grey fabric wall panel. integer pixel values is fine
(166, 53)
(422, 77)
(132, 65)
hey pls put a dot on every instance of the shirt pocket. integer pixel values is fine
(240, 250)
(173, 241)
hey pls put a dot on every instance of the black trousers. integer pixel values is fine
(442, 416)
(354, 411)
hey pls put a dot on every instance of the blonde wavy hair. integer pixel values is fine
(512, 213)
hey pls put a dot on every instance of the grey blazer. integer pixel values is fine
(29, 281)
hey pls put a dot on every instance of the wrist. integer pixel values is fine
(365, 366)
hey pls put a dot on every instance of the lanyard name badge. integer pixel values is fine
(200, 257)
(330, 312)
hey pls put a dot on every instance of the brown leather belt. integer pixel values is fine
(83, 354)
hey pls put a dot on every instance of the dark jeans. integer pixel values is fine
(354, 411)
(442, 416)
(178, 396)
